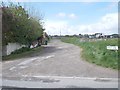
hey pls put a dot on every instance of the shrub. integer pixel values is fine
(23, 49)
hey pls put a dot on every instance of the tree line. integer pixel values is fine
(18, 26)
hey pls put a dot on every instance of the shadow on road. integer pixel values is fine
(45, 50)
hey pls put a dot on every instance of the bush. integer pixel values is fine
(18, 26)
(23, 49)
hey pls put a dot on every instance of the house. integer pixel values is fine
(108, 36)
(115, 35)
(92, 36)
(80, 36)
(98, 35)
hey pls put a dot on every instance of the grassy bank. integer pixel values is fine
(21, 53)
(96, 52)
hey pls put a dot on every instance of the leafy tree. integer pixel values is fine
(18, 26)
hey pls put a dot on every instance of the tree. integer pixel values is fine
(18, 26)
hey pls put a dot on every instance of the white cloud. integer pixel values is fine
(113, 5)
(54, 27)
(72, 15)
(108, 24)
(61, 14)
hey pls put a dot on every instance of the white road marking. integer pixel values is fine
(8, 61)
(74, 77)
(25, 75)
(31, 60)
(12, 68)
(27, 61)
(60, 47)
(46, 57)
(62, 83)
(49, 56)
(23, 67)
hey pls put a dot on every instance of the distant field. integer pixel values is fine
(96, 52)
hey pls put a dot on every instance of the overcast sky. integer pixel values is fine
(77, 17)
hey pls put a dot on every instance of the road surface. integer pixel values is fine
(57, 59)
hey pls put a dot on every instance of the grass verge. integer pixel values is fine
(23, 52)
(96, 52)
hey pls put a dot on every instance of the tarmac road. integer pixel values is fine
(56, 59)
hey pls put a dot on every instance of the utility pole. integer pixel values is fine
(60, 33)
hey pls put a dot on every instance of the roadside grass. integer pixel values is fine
(96, 52)
(21, 53)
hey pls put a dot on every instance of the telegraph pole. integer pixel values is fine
(60, 33)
